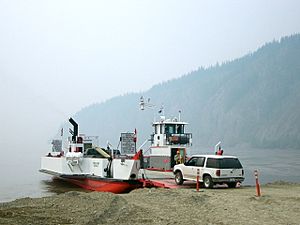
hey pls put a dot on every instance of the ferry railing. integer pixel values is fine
(179, 139)
(175, 139)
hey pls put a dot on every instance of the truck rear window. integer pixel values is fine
(226, 163)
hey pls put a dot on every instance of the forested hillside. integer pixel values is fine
(253, 100)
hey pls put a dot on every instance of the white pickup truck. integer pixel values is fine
(212, 169)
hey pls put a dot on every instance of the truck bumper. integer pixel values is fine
(228, 179)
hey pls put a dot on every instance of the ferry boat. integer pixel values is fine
(92, 167)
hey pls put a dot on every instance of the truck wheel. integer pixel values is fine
(231, 184)
(207, 181)
(178, 178)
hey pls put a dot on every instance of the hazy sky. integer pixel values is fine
(59, 56)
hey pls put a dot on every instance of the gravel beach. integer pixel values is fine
(279, 204)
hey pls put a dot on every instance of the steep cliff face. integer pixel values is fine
(253, 100)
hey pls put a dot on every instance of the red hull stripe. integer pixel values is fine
(116, 187)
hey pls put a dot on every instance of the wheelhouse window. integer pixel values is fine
(170, 129)
(174, 129)
(179, 129)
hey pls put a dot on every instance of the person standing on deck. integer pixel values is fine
(177, 157)
(220, 151)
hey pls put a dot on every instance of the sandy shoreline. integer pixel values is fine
(279, 204)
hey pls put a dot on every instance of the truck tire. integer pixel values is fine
(207, 182)
(178, 178)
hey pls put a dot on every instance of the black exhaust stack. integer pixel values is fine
(75, 131)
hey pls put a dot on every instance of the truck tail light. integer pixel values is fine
(218, 173)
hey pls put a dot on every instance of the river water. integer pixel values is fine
(20, 177)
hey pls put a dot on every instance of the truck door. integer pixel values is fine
(199, 166)
(189, 168)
